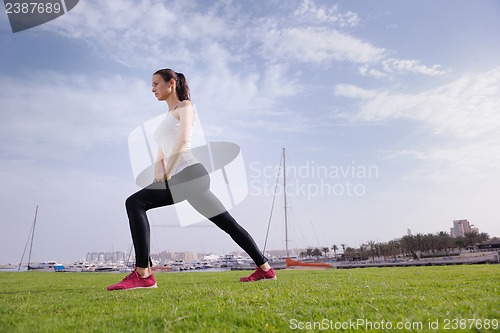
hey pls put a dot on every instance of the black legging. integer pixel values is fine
(191, 184)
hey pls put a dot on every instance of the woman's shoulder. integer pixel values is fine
(183, 108)
(185, 103)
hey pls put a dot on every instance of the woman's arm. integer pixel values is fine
(159, 166)
(186, 117)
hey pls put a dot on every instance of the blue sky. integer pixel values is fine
(409, 89)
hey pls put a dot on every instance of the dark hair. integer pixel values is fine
(181, 86)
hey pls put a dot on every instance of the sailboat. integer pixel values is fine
(45, 266)
(289, 262)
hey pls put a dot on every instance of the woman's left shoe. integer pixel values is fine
(260, 274)
(134, 281)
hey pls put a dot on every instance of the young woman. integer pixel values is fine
(179, 176)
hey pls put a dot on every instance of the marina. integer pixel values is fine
(231, 262)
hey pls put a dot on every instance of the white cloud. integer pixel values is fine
(277, 82)
(459, 162)
(317, 45)
(231, 101)
(365, 70)
(462, 115)
(311, 13)
(386, 67)
(122, 32)
(393, 65)
(62, 115)
(320, 35)
(466, 108)
(284, 121)
(352, 91)
(207, 47)
(317, 34)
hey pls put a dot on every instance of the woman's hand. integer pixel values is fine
(159, 167)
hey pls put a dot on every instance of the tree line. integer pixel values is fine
(409, 246)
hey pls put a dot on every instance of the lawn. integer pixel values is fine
(462, 298)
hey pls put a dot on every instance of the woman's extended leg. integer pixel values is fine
(208, 205)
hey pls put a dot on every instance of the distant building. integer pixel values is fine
(172, 256)
(492, 244)
(460, 227)
(210, 257)
(106, 256)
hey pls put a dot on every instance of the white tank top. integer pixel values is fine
(166, 134)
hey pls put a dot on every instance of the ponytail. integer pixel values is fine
(181, 86)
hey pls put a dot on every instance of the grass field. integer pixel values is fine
(424, 299)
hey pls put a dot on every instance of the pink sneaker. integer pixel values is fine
(259, 274)
(134, 281)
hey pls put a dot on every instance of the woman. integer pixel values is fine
(179, 176)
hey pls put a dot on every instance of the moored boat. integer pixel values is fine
(47, 266)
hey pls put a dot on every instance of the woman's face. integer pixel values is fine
(160, 88)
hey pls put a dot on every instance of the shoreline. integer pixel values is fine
(468, 259)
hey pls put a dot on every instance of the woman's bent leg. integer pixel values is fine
(153, 196)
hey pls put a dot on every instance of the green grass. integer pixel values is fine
(217, 302)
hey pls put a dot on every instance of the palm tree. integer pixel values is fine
(373, 248)
(408, 245)
(483, 237)
(383, 249)
(309, 252)
(393, 248)
(349, 253)
(430, 243)
(325, 250)
(317, 253)
(443, 242)
(419, 239)
(459, 242)
(335, 248)
(471, 239)
(362, 253)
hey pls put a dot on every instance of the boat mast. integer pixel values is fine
(284, 195)
(32, 233)
(32, 236)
